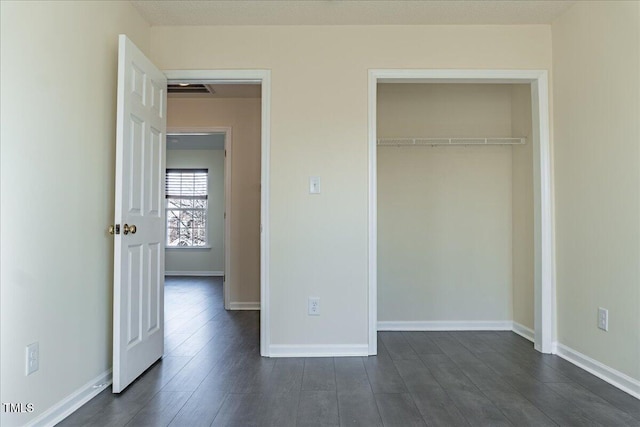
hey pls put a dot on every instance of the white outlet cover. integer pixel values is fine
(314, 306)
(32, 362)
(603, 319)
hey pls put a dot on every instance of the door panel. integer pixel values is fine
(155, 307)
(138, 318)
(155, 204)
(134, 288)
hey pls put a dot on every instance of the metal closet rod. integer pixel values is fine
(451, 141)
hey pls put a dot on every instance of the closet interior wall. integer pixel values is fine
(455, 223)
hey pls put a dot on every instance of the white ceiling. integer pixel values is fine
(350, 12)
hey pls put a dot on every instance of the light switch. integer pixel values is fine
(314, 185)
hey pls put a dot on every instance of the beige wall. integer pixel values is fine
(444, 110)
(319, 127)
(58, 95)
(243, 116)
(596, 53)
(445, 249)
(209, 259)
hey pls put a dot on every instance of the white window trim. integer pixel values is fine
(207, 244)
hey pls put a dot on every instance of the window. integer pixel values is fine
(186, 207)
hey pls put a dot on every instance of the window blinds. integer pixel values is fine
(186, 184)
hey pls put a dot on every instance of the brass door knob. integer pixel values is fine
(129, 228)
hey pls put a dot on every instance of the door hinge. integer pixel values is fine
(225, 153)
(225, 215)
(114, 229)
(224, 278)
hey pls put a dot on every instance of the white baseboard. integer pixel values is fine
(523, 331)
(446, 325)
(315, 350)
(75, 400)
(244, 306)
(616, 378)
(195, 273)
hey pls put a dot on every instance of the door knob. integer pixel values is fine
(126, 229)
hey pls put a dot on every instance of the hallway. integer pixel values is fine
(212, 375)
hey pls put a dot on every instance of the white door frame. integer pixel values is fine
(228, 144)
(544, 269)
(262, 77)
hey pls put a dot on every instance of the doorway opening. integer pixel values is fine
(228, 109)
(458, 184)
(198, 227)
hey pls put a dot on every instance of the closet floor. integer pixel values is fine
(212, 375)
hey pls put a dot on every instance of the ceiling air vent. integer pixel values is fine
(188, 88)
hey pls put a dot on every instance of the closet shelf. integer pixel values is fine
(450, 141)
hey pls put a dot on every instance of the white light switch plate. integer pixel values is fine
(314, 185)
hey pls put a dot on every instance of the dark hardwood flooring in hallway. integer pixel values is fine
(212, 375)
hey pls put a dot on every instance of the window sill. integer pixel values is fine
(187, 248)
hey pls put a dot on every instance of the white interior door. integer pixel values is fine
(138, 313)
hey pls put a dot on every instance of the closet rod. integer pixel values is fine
(450, 141)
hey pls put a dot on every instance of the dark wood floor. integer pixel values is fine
(212, 375)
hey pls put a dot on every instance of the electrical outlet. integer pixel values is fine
(314, 306)
(32, 358)
(603, 319)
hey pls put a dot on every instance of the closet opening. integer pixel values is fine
(459, 209)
